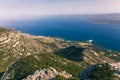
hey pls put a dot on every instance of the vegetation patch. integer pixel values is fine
(28, 65)
(1, 73)
(72, 53)
(102, 72)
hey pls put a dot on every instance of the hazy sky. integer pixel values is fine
(21, 8)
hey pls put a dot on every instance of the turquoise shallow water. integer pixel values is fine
(105, 35)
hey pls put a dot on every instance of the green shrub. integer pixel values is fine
(59, 77)
(1, 73)
(102, 72)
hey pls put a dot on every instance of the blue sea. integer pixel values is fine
(71, 28)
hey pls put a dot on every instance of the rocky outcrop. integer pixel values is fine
(116, 67)
(47, 74)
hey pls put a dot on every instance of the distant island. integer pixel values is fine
(103, 18)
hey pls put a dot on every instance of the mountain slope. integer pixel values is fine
(14, 44)
(30, 64)
(38, 52)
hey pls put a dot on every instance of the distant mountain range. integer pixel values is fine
(28, 57)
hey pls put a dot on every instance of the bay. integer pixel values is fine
(71, 28)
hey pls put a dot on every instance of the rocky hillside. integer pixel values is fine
(23, 54)
(14, 44)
